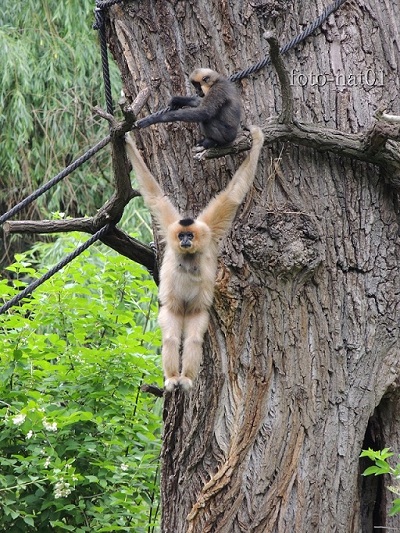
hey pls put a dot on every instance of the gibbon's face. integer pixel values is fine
(203, 79)
(189, 237)
(185, 239)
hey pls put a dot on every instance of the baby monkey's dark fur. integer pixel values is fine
(217, 108)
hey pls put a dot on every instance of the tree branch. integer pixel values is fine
(286, 116)
(387, 155)
(152, 389)
(382, 115)
(113, 209)
(116, 239)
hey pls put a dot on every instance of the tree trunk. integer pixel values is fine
(301, 360)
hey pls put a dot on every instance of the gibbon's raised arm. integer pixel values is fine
(220, 212)
(160, 206)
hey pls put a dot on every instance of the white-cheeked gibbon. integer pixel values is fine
(216, 107)
(188, 270)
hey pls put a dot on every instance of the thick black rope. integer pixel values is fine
(67, 259)
(291, 44)
(267, 60)
(105, 4)
(100, 26)
(44, 188)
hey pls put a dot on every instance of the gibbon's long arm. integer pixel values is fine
(160, 206)
(187, 114)
(220, 212)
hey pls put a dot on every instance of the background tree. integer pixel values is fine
(51, 67)
(301, 363)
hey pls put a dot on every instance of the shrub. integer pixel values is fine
(79, 441)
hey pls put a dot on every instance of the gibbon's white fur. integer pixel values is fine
(188, 270)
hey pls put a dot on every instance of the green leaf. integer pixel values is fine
(373, 470)
(395, 509)
(58, 523)
(28, 520)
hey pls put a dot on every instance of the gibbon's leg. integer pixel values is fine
(195, 326)
(171, 326)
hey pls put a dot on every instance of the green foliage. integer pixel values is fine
(382, 466)
(51, 79)
(79, 441)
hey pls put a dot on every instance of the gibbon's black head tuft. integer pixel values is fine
(186, 222)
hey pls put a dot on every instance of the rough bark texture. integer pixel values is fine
(303, 346)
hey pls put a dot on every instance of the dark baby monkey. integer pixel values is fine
(216, 108)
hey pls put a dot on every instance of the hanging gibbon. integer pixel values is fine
(188, 270)
(216, 107)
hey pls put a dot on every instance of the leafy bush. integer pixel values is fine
(382, 466)
(79, 441)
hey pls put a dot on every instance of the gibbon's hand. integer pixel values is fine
(176, 102)
(146, 121)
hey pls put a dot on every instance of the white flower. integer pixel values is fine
(47, 462)
(124, 467)
(29, 435)
(19, 419)
(61, 489)
(50, 426)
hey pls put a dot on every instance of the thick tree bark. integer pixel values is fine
(303, 346)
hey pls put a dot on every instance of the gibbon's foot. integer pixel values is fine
(185, 383)
(198, 148)
(171, 383)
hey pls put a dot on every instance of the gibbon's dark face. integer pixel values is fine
(189, 237)
(198, 89)
(185, 239)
